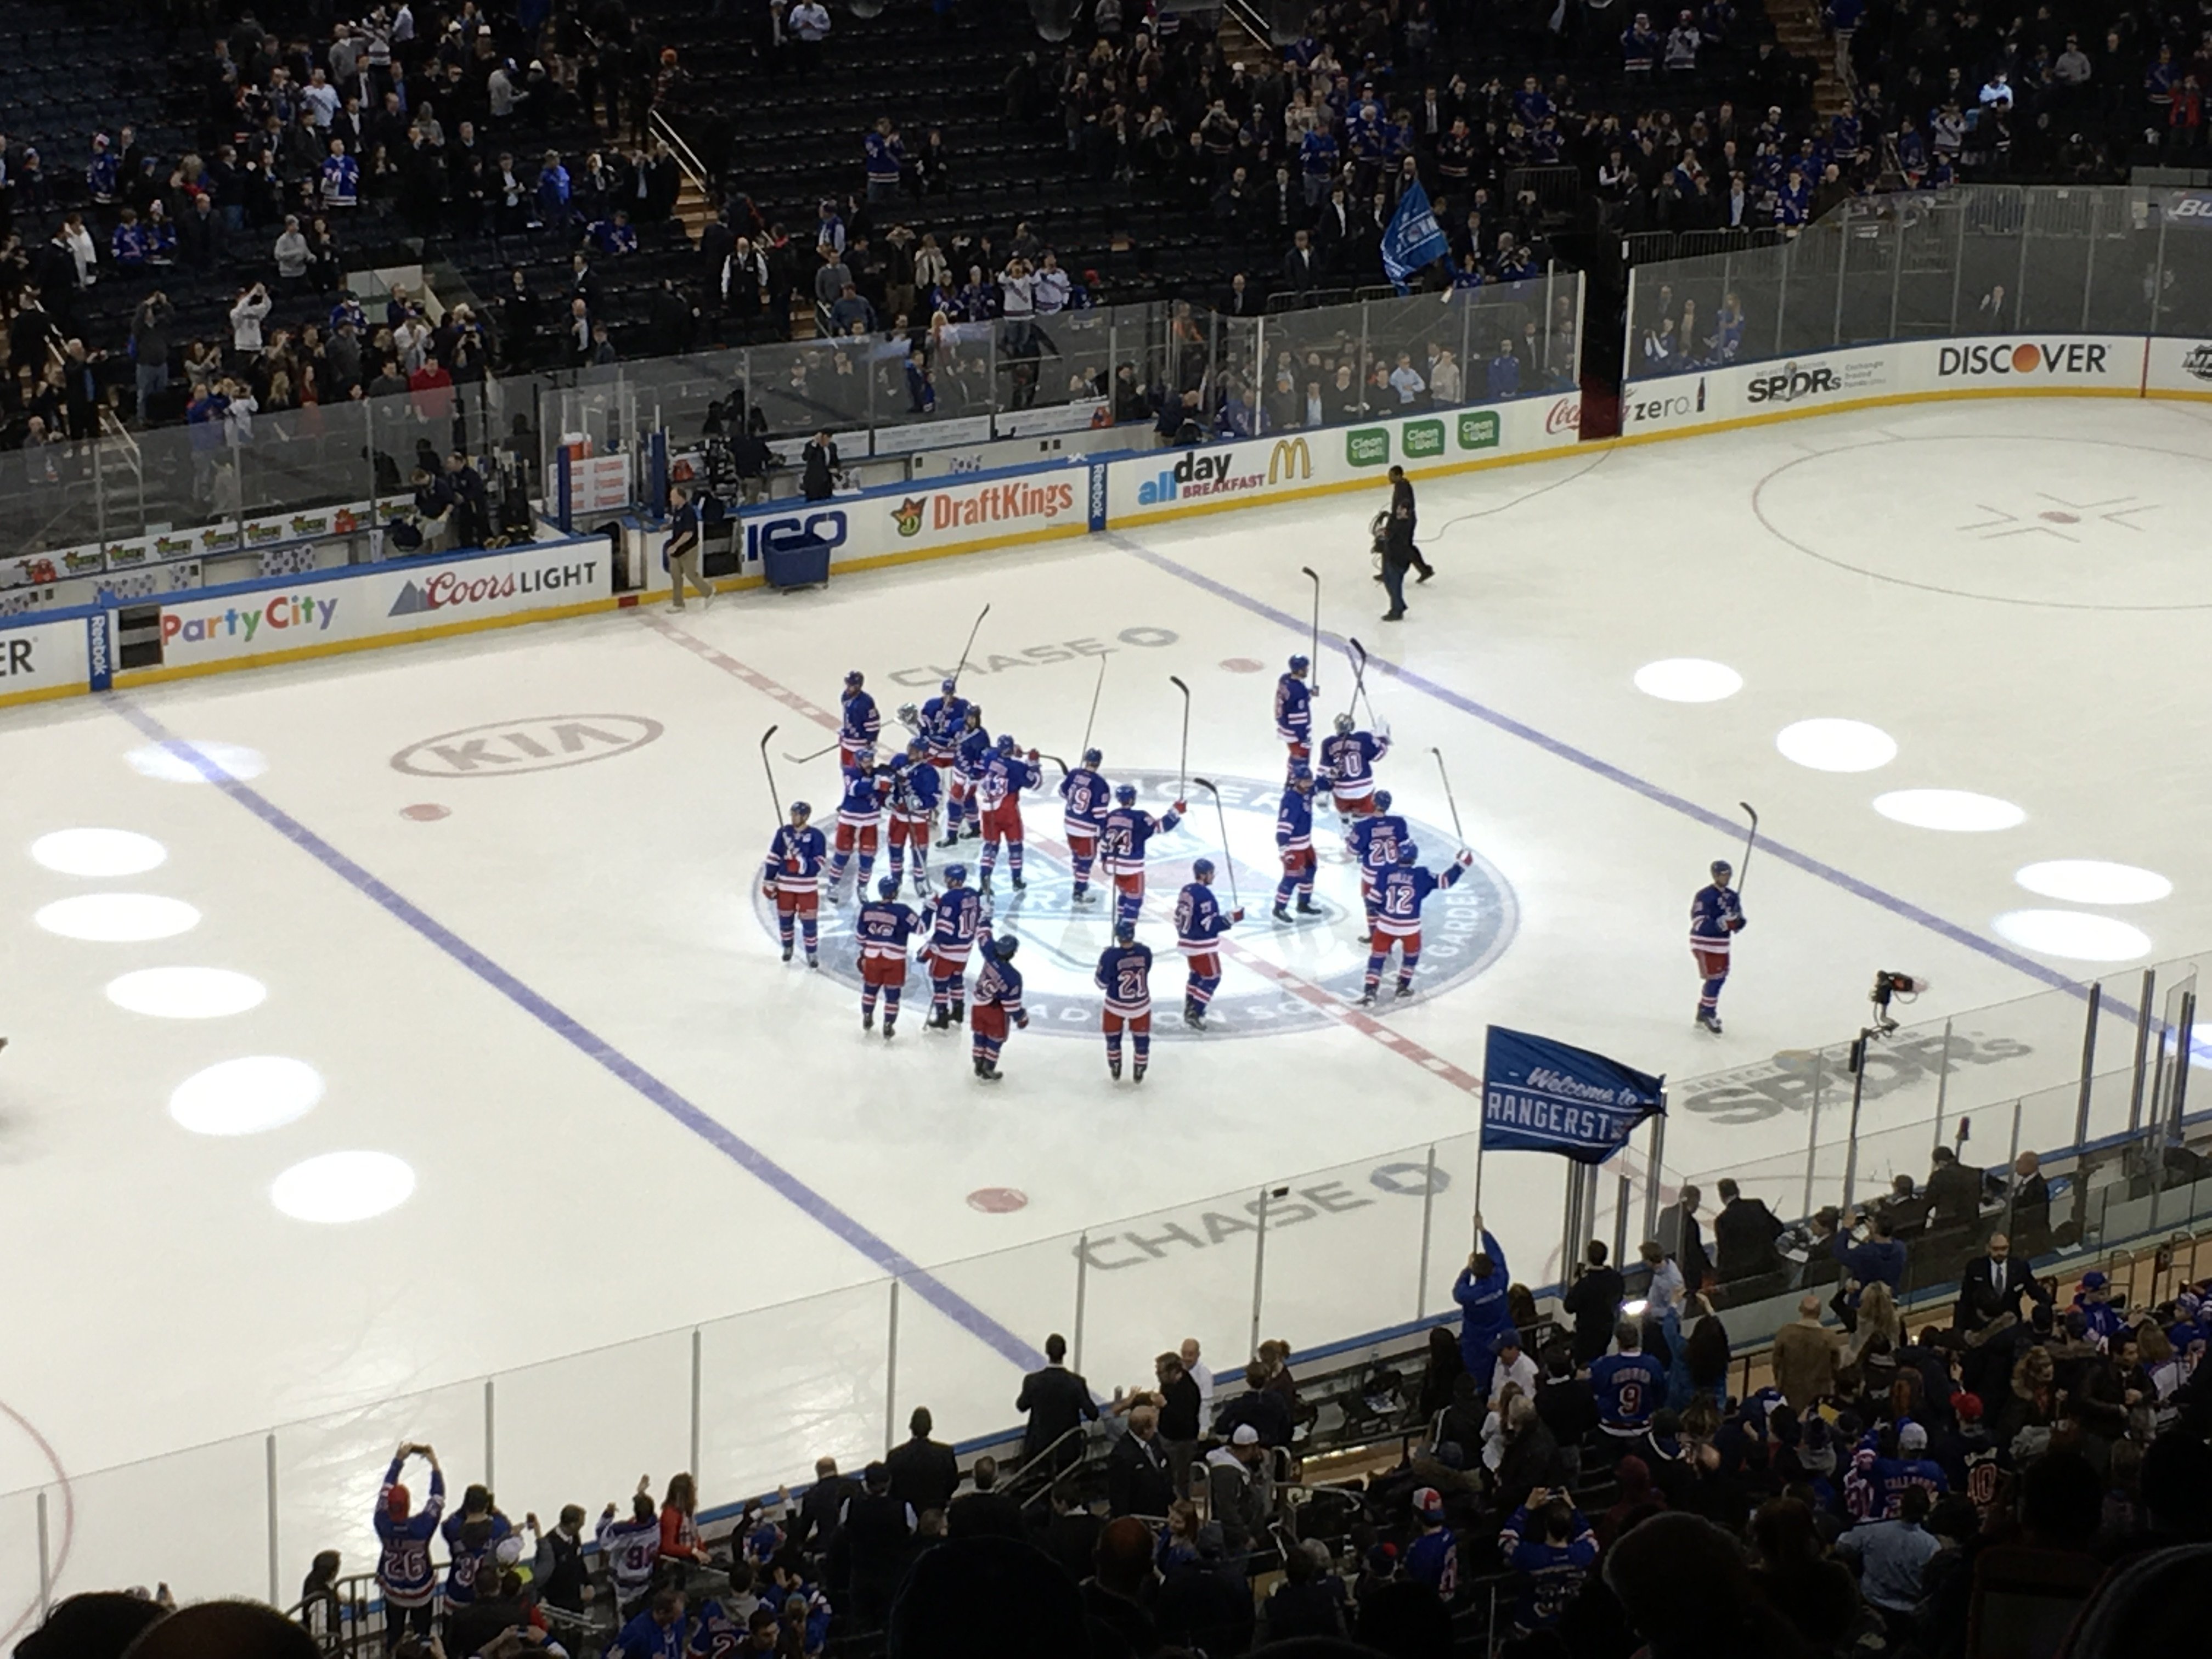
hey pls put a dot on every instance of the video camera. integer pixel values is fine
(1887, 985)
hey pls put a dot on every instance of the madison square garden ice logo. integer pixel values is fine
(1464, 929)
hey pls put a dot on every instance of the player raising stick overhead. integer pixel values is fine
(1085, 799)
(1374, 840)
(953, 917)
(861, 817)
(1347, 761)
(1125, 975)
(944, 717)
(971, 751)
(1294, 712)
(882, 929)
(1122, 839)
(1199, 923)
(1294, 837)
(913, 808)
(1005, 775)
(792, 878)
(1398, 900)
(861, 724)
(1715, 917)
(998, 1000)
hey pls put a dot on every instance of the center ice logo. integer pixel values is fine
(1274, 978)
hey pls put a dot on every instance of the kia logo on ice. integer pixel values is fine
(505, 748)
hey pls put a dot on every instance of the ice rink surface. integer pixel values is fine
(531, 976)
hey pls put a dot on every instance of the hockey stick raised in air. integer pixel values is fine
(1360, 684)
(1046, 755)
(1314, 651)
(1093, 720)
(1183, 764)
(1748, 841)
(1228, 863)
(801, 760)
(768, 767)
(1448, 800)
(961, 667)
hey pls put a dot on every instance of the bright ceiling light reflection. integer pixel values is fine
(117, 918)
(342, 1187)
(245, 1096)
(1688, 679)
(1834, 745)
(98, 852)
(180, 761)
(1948, 809)
(2093, 881)
(2074, 933)
(186, 993)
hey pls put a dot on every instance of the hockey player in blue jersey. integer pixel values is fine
(1005, 775)
(860, 818)
(1084, 801)
(1398, 900)
(915, 789)
(1374, 840)
(944, 717)
(1199, 923)
(971, 749)
(1122, 840)
(1347, 762)
(1294, 841)
(860, 723)
(882, 929)
(953, 917)
(792, 876)
(404, 1572)
(1294, 712)
(1125, 975)
(998, 1002)
(1715, 917)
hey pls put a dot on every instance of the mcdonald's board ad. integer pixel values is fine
(1169, 482)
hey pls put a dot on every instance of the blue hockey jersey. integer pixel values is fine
(1294, 820)
(1087, 801)
(942, 719)
(465, 1565)
(863, 800)
(795, 857)
(952, 918)
(999, 983)
(1347, 761)
(1125, 975)
(1715, 915)
(862, 723)
(1003, 779)
(403, 1566)
(1628, 1387)
(1293, 709)
(1200, 920)
(1125, 833)
(915, 791)
(970, 750)
(1375, 840)
(882, 929)
(1402, 891)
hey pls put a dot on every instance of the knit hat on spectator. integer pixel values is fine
(1429, 1503)
(1966, 1407)
(1912, 1438)
(1246, 1434)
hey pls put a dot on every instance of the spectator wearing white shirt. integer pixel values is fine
(1200, 1374)
(808, 25)
(292, 255)
(247, 316)
(1444, 382)
(1996, 94)
(1051, 288)
(321, 98)
(238, 413)
(1513, 1366)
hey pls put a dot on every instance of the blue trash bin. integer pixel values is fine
(801, 562)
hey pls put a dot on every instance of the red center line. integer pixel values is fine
(1355, 1018)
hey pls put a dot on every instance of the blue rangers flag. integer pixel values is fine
(1414, 238)
(1539, 1095)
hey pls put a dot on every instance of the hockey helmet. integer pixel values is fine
(1408, 853)
(799, 809)
(1006, 947)
(916, 746)
(974, 716)
(1124, 931)
(1300, 664)
(955, 874)
(865, 756)
(1201, 868)
(1127, 794)
(1005, 743)
(909, 715)
(1722, 868)
(854, 677)
(1092, 758)
(1343, 723)
(889, 887)
(948, 686)
(1381, 800)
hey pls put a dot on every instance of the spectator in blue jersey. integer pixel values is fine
(1551, 1549)
(2100, 1317)
(1890, 1556)
(655, 1634)
(1432, 1559)
(1628, 1385)
(1878, 1259)
(1485, 1310)
(885, 155)
(471, 1537)
(632, 1549)
(403, 1573)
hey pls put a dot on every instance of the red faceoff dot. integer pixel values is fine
(428, 811)
(996, 1200)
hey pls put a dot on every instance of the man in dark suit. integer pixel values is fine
(1057, 1400)
(825, 1501)
(1595, 1300)
(1953, 1190)
(1301, 266)
(2030, 1206)
(1992, 1285)
(1138, 1480)
(924, 1473)
(1743, 1235)
(1681, 1237)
